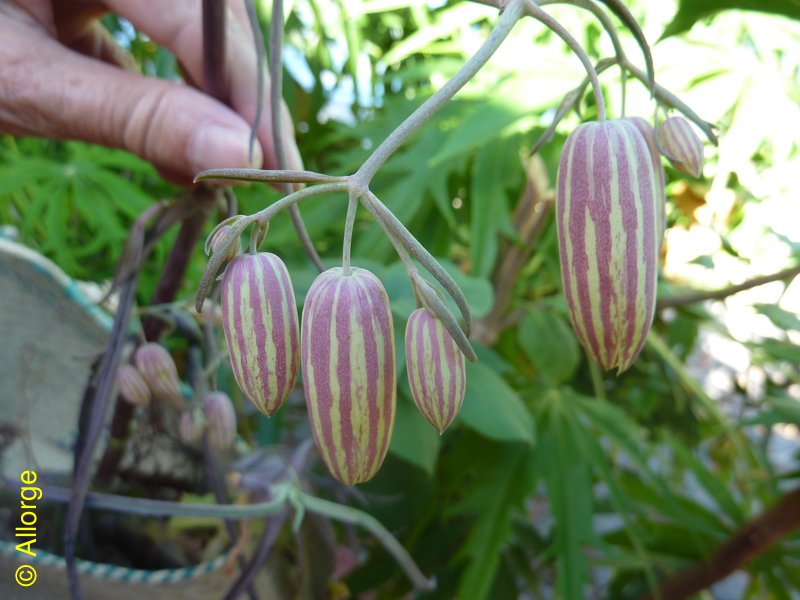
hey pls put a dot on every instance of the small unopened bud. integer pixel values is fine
(436, 370)
(218, 239)
(681, 145)
(221, 417)
(189, 427)
(159, 371)
(131, 386)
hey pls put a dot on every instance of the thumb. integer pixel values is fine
(54, 92)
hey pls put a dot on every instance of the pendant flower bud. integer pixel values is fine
(131, 387)
(217, 240)
(607, 225)
(158, 369)
(646, 129)
(218, 410)
(347, 350)
(436, 369)
(681, 145)
(190, 428)
(259, 317)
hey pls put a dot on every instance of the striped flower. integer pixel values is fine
(259, 317)
(217, 239)
(347, 350)
(221, 418)
(436, 371)
(157, 368)
(131, 386)
(681, 146)
(646, 129)
(607, 224)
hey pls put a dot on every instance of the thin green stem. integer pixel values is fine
(418, 251)
(505, 23)
(269, 176)
(295, 197)
(537, 13)
(349, 223)
(347, 514)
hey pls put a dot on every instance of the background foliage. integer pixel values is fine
(557, 480)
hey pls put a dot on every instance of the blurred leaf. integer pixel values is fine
(492, 407)
(414, 439)
(550, 344)
(501, 491)
(691, 11)
(783, 319)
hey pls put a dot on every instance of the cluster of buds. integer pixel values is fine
(345, 349)
(216, 417)
(610, 214)
(151, 375)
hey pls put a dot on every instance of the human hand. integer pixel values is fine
(62, 76)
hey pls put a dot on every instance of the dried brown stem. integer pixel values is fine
(749, 541)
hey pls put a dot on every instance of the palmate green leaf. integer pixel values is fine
(504, 483)
(414, 439)
(493, 408)
(550, 344)
(691, 11)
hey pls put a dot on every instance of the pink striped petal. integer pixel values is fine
(681, 145)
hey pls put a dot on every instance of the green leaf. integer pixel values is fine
(414, 439)
(501, 490)
(691, 11)
(782, 319)
(550, 344)
(493, 409)
(497, 168)
(569, 491)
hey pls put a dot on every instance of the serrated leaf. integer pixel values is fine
(493, 408)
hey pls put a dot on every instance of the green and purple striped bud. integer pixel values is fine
(158, 370)
(217, 240)
(347, 350)
(131, 386)
(607, 230)
(190, 428)
(681, 145)
(646, 129)
(218, 410)
(259, 317)
(436, 369)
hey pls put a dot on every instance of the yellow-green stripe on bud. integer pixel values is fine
(160, 373)
(681, 145)
(607, 231)
(436, 369)
(347, 350)
(259, 317)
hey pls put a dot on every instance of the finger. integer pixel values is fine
(177, 26)
(54, 92)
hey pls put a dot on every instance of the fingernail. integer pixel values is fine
(217, 147)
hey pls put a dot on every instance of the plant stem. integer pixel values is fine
(537, 13)
(347, 240)
(270, 176)
(295, 197)
(431, 106)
